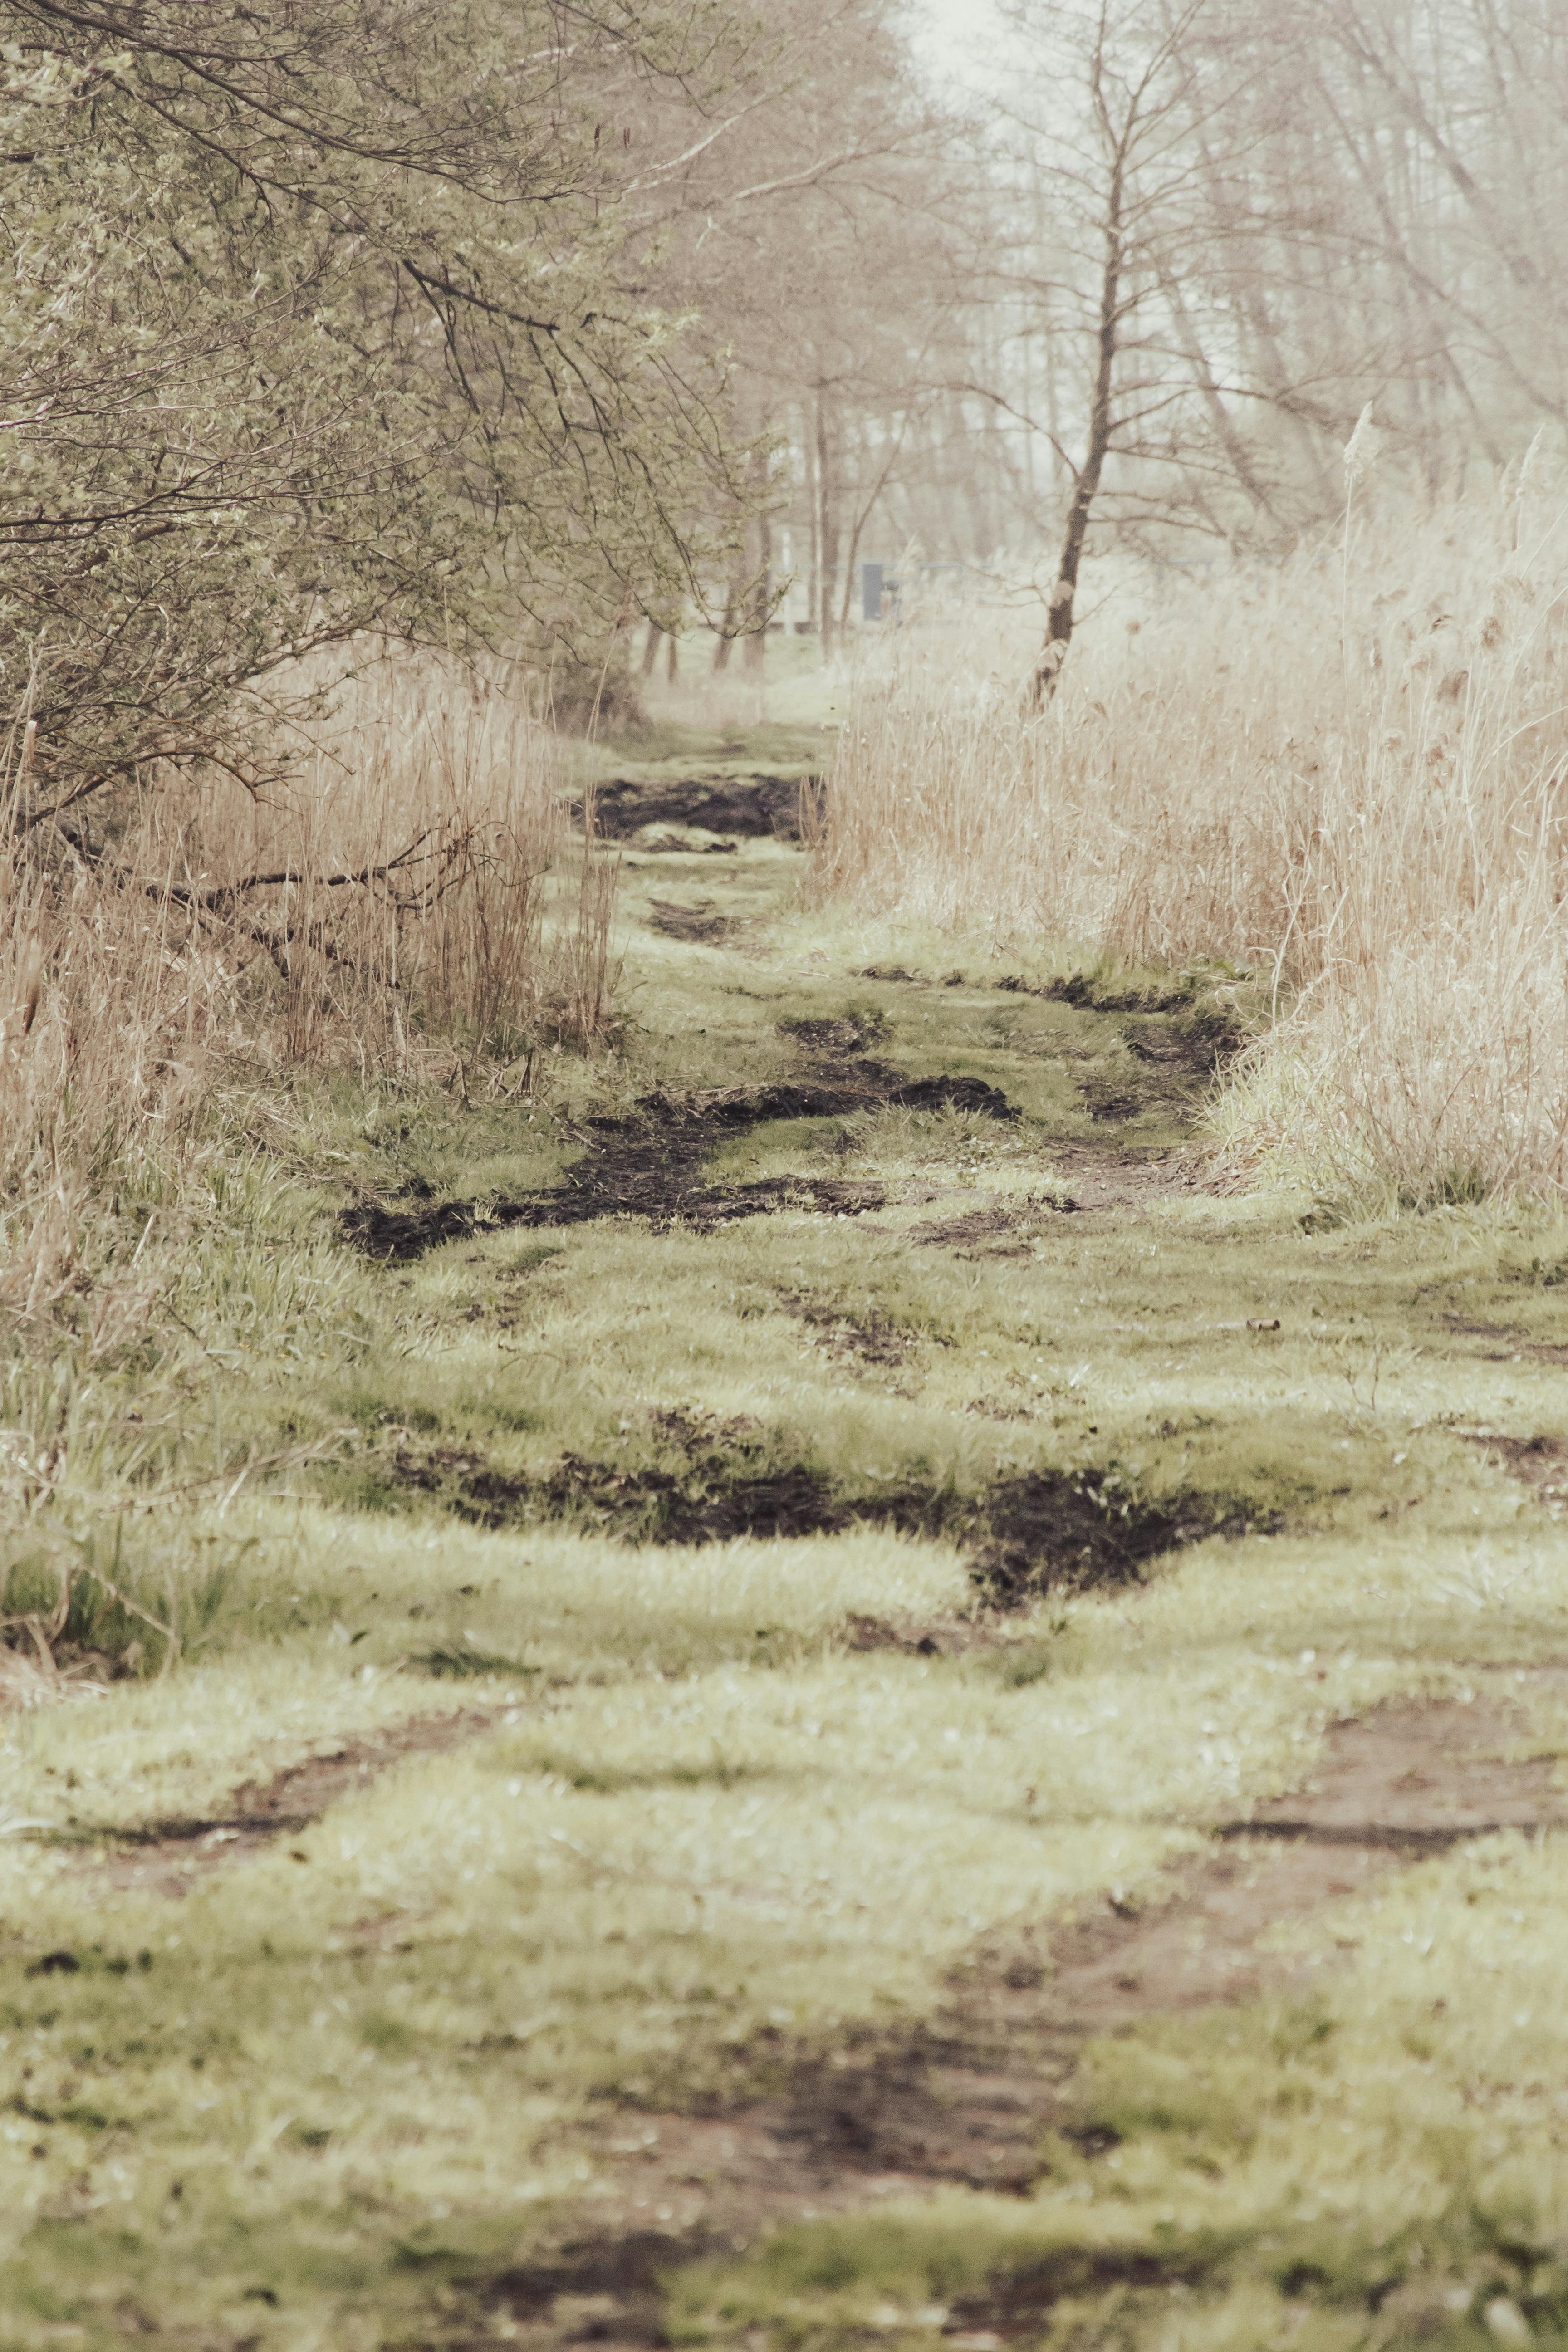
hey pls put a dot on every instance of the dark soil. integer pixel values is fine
(1105, 1099)
(1001, 1229)
(751, 806)
(169, 1857)
(969, 2097)
(1119, 1177)
(831, 1040)
(867, 1339)
(1051, 1531)
(676, 844)
(1076, 990)
(1517, 1345)
(660, 1507)
(702, 925)
(864, 1632)
(650, 1164)
(1047, 1531)
(467, 1483)
(1197, 1046)
(1540, 1462)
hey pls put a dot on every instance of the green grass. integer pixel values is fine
(323, 2097)
(1378, 2164)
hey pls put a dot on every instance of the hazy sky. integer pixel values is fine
(957, 35)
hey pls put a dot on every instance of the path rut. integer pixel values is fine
(967, 2097)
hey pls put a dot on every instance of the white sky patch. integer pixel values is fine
(957, 37)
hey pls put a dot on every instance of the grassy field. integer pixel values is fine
(572, 1682)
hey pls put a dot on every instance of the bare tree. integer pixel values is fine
(815, 224)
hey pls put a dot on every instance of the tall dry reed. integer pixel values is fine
(103, 1019)
(1349, 773)
(415, 871)
(413, 878)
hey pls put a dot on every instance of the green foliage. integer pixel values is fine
(311, 325)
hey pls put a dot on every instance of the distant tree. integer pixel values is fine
(1113, 147)
(815, 221)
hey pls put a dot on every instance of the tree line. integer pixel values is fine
(522, 324)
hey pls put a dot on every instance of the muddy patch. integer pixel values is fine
(751, 807)
(1538, 1463)
(725, 1487)
(864, 1633)
(1170, 1061)
(169, 1857)
(1105, 1177)
(467, 1483)
(870, 1338)
(1051, 1531)
(650, 1164)
(654, 843)
(1516, 1346)
(1046, 1531)
(943, 1637)
(968, 2096)
(699, 926)
(1164, 1029)
(999, 1229)
(835, 1039)
(1088, 995)
(655, 1506)
(1431, 1774)
(1109, 1103)
(1195, 1045)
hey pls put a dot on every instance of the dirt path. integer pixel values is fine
(849, 1415)
(172, 1856)
(650, 1165)
(968, 2097)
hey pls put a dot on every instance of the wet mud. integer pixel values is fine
(1077, 989)
(1051, 1531)
(997, 1228)
(974, 2096)
(650, 1164)
(1195, 1044)
(1538, 1463)
(1046, 1531)
(699, 926)
(750, 807)
(1168, 1029)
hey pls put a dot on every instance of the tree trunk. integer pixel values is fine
(650, 648)
(726, 645)
(761, 595)
(1086, 485)
(813, 549)
(826, 532)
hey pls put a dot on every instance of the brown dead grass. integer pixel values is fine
(411, 876)
(1345, 776)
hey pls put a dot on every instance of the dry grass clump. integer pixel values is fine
(408, 874)
(106, 1000)
(410, 878)
(1350, 773)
